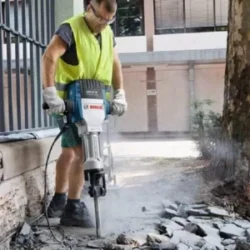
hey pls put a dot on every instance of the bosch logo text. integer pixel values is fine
(95, 106)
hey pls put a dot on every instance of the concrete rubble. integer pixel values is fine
(198, 227)
(180, 227)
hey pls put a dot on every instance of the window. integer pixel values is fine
(178, 16)
(129, 18)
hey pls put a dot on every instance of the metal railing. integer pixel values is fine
(26, 27)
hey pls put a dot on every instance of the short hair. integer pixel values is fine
(110, 5)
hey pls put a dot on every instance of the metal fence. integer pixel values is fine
(26, 27)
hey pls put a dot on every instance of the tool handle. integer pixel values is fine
(68, 106)
(68, 110)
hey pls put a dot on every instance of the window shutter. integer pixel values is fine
(221, 12)
(169, 14)
(199, 13)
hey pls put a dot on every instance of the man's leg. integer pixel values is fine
(63, 166)
(76, 212)
(76, 175)
(64, 162)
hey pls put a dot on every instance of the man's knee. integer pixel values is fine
(79, 154)
(67, 155)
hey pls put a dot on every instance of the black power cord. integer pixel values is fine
(64, 129)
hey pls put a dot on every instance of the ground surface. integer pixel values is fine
(147, 173)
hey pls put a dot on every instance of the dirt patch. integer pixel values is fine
(235, 196)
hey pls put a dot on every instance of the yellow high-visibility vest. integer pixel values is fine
(94, 62)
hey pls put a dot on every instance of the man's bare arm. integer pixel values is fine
(54, 50)
(117, 80)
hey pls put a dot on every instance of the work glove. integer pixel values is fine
(119, 104)
(55, 103)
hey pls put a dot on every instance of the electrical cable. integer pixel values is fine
(64, 129)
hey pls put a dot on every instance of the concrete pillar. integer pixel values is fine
(149, 23)
(65, 9)
(191, 79)
(152, 101)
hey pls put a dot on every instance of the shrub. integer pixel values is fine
(206, 127)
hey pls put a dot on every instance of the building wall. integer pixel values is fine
(173, 96)
(209, 84)
(22, 180)
(136, 119)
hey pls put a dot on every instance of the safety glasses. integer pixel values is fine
(100, 18)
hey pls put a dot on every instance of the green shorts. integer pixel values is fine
(70, 137)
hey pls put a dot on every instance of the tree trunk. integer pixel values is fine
(232, 156)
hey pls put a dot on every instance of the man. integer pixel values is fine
(81, 48)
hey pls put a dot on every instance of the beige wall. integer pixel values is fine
(173, 98)
(209, 84)
(22, 183)
(136, 119)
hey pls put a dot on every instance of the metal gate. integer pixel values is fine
(26, 27)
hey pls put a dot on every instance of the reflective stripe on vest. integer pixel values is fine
(63, 87)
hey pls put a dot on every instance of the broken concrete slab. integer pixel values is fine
(26, 229)
(230, 230)
(241, 223)
(214, 241)
(182, 246)
(170, 213)
(227, 242)
(187, 238)
(230, 247)
(110, 246)
(216, 211)
(208, 246)
(169, 227)
(167, 246)
(192, 228)
(156, 238)
(181, 221)
(199, 219)
(197, 212)
(198, 206)
(208, 230)
(173, 206)
(123, 239)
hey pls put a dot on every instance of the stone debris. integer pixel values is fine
(156, 238)
(117, 247)
(230, 230)
(170, 213)
(123, 239)
(181, 227)
(203, 227)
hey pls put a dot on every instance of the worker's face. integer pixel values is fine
(98, 17)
